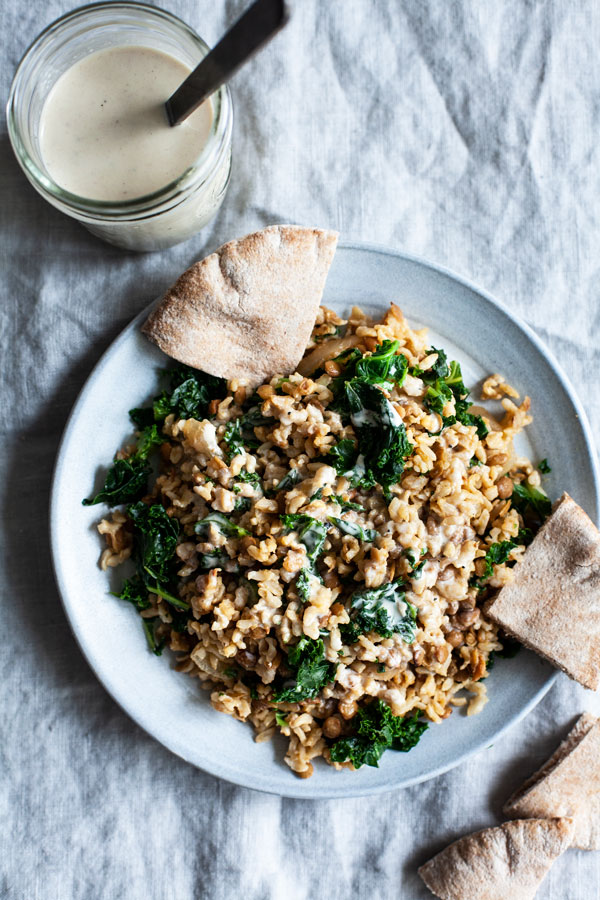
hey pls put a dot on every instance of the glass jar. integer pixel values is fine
(152, 222)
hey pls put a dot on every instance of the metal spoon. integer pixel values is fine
(257, 26)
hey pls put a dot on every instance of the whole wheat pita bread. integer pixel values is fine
(496, 863)
(553, 603)
(568, 784)
(247, 310)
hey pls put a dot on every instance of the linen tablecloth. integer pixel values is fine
(462, 130)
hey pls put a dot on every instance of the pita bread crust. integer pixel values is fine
(553, 603)
(496, 863)
(247, 310)
(568, 784)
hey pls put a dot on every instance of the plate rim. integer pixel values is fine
(225, 772)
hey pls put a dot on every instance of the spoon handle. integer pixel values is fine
(259, 24)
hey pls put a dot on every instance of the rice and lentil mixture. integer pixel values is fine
(318, 554)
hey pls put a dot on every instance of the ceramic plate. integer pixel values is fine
(474, 329)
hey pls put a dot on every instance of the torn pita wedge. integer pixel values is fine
(496, 863)
(553, 603)
(247, 310)
(568, 784)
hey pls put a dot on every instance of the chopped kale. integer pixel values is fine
(498, 553)
(225, 525)
(378, 730)
(149, 626)
(384, 366)
(214, 560)
(382, 438)
(148, 439)
(288, 481)
(383, 444)
(544, 466)
(234, 439)
(416, 566)
(126, 480)
(142, 417)
(303, 584)
(343, 456)
(250, 477)
(156, 536)
(438, 370)
(510, 648)
(532, 503)
(383, 610)
(135, 591)
(445, 383)
(281, 720)
(311, 533)
(351, 528)
(344, 504)
(338, 330)
(189, 397)
(474, 462)
(252, 418)
(191, 393)
(312, 671)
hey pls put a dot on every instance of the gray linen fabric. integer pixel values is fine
(463, 130)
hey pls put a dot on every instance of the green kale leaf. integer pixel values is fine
(214, 560)
(155, 540)
(438, 370)
(250, 477)
(446, 384)
(416, 566)
(383, 444)
(344, 504)
(126, 480)
(311, 533)
(134, 591)
(351, 528)
(188, 398)
(234, 439)
(532, 503)
(303, 584)
(510, 648)
(378, 730)
(497, 554)
(225, 525)
(312, 671)
(383, 610)
(288, 481)
(343, 456)
(149, 626)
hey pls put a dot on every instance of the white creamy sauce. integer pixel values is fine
(371, 418)
(104, 134)
(364, 417)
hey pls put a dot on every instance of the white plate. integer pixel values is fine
(476, 330)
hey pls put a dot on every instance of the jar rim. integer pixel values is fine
(187, 181)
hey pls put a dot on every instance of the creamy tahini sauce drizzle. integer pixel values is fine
(103, 130)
